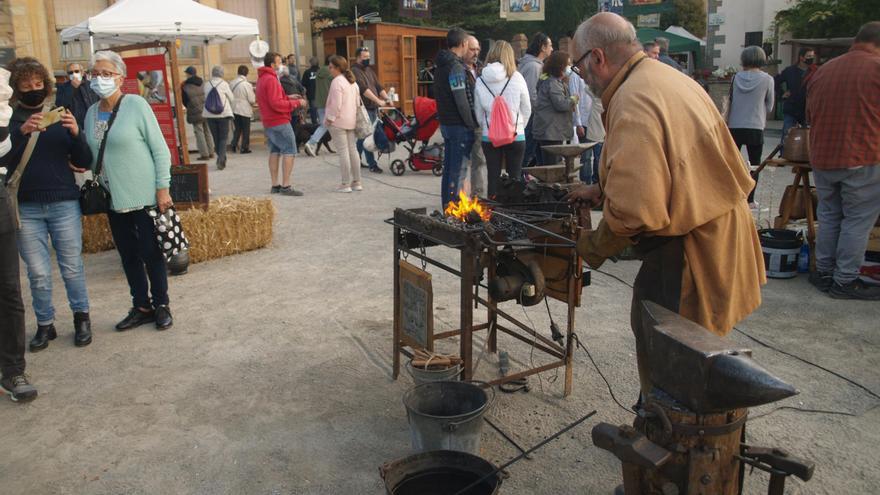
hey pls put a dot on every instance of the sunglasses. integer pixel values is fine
(575, 67)
(72, 72)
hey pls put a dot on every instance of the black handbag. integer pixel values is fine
(93, 197)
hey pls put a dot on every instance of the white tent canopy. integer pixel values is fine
(144, 21)
(684, 33)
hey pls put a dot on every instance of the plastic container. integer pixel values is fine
(781, 250)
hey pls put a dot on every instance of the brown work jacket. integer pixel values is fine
(670, 168)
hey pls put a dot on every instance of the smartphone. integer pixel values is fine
(51, 117)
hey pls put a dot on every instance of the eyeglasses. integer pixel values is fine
(104, 73)
(575, 67)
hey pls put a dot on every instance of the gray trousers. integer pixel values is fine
(849, 203)
(204, 140)
(474, 171)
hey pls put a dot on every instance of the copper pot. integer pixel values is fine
(796, 147)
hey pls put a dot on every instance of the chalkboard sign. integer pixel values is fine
(416, 315)
(189, 186)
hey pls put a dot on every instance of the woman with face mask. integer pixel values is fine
(137, 172)
(553, 106)
(48, 199)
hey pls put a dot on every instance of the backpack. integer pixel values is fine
(502, 131)
(213, 103)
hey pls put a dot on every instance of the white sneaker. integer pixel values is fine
(343, 189)
(310, 149)
(754, 205)
(357, 187)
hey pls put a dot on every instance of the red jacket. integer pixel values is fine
(275, 106)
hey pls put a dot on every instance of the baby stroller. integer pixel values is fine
(414, 132)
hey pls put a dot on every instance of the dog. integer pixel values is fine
(303, 131)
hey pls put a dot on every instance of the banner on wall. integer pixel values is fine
(147, 78)
(325, 4)
(415, 9)
(522, 10)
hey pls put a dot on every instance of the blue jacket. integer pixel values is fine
(793, 80)
(77, 100)
(48, 177)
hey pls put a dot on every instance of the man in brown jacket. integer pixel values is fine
(673, 184)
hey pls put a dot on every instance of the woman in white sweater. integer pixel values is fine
(219, 123)
(500, 77)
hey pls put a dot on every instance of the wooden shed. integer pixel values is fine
(397, 52)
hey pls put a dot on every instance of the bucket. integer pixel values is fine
(440, 472)
(446, 415)
(781, 248)
(421, 375)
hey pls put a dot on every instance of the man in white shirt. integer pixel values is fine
(242, 110)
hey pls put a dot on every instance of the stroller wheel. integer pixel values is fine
(397, 167)
(438, 169)
(412, 165)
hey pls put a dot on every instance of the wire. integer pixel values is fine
(610, 391)
(804, 410)
(615, 277)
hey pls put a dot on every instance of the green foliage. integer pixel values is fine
(827, 18)
(689, 14)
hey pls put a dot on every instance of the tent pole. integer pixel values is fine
(295, 32)
(205, 72)
(91, 45)
(171, 50)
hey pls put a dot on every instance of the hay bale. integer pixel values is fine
(230, 225)
(96, 234)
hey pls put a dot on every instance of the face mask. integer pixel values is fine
(366, 62)
(103, 86)
(809, 61)
(76, 76)
(567, 70)
(34, 97)
(280, 70)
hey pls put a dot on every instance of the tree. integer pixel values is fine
(689, 14)
(826, 18)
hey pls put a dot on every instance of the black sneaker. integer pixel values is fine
(275, 190)
(376, 170)
(821, 280)
(855, 290)
(163, 317)
(18, 388)
(364, 165)
(245, 152)
(290, 191)
(135, 318)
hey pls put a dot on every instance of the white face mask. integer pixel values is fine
(280, 70)
(76, 76)
(103, 86)
(567, 70)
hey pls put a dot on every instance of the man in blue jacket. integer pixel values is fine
(455, 110)
(74, 95)
(790, 84)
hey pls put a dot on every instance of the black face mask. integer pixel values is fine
(366, 62)
(809, 61)
(34, 97)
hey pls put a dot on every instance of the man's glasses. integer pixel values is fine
(575, 67)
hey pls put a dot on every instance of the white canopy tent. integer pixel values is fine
(684, 33)
(144, 21)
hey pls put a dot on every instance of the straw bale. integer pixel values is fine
(230, 225)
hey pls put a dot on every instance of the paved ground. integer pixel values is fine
(276, 376)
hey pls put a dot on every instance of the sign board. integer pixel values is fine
(147, 78)
(325, 4)
(644, 2)
(415, 8)
(648, 20)
(416, 307)
(717, 19)
(189, 186)
(523, 10)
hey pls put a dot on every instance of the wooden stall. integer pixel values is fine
(398, 52)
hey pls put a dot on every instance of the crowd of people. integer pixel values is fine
(665, 166)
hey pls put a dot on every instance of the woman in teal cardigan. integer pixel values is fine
(137, 172)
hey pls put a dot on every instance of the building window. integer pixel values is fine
(259, 10)
(755, 38)
(70, 14)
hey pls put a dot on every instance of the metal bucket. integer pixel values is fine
(446, 415)
(440, 472)
(421, 376)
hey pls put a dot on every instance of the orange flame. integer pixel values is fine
(466, 205)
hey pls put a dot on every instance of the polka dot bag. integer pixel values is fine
(169, 232)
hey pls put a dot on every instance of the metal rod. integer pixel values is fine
(505, 435)
(517, 458)
(522, 325)
(568, 241)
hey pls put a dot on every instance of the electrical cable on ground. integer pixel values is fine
(602, 375)
(771, 347)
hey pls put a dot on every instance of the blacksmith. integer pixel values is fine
(673, 185)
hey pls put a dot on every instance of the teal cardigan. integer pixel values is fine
(137, 161)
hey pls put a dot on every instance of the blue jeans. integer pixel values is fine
(60, 222)
(321, 130)
(589, 174)
(532, 149)
(789, 121)
(458, 142)
(371, 158)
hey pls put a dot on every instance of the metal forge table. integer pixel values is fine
(551, 242)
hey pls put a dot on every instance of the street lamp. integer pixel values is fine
(358, 19)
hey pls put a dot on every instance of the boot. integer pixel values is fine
(82, 329)
(44, 334)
